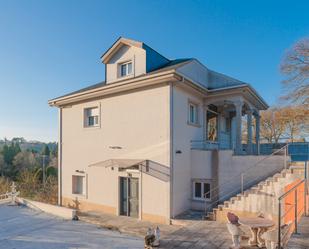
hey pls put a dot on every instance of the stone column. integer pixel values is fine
(257, 133)
(249, 132)
(238, 107)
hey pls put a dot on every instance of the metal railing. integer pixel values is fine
(291, 206)
(205, 144)
(243, 185)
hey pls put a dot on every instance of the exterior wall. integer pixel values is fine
(229, 172)
(139, 123)
(124, 54)
(201, 168)
(231, 167)
(183, 133)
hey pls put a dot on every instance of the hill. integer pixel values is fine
(29, 145)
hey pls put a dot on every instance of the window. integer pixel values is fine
(201, 190)
(193, 113)
(125, 69)
(91, 117)
(78, 185)
(212, 126)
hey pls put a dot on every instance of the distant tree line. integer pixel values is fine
(25, 167)
(13, 160)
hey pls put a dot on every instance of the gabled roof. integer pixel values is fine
(173, 64)
(117, 44)
(94, 86)
(200, 76)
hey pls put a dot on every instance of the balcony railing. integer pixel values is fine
(204, 145)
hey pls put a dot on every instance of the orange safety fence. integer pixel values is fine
(295, 198)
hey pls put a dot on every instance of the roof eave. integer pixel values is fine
(248, 87)
(109, 52)
(116, 87)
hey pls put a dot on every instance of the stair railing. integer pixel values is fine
(243, 185)
(292, 210)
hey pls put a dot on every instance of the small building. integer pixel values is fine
(156, 136)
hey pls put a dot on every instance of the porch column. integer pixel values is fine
(249, 132)
(257, 133)
(238, 107)
(205, 123)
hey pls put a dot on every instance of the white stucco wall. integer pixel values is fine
(201, 164)
(183, 133)
(125, 54)
(139, 123)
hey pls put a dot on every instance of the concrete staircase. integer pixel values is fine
(262, 197)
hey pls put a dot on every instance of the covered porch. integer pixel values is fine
(231, 121)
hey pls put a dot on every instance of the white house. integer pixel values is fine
(155, 136)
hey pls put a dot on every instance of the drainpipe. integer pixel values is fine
(171, 149)
(141, 191)
(60, 158)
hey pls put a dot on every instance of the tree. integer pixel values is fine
(272, 125)
(2, 165)
(296, 120)
(10, 151)
(295, 67)
(45, 151)
(24, 160)
(290, 123)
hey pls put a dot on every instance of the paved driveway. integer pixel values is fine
(21, 227)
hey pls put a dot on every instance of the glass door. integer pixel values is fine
(133, 197)
(129, 201)
(124, 196)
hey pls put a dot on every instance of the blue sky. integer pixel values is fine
(49, 48)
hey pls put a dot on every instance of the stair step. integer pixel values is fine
(258, 189)
(226, 204)
(215, 210)
(220, 207)
(209, 216)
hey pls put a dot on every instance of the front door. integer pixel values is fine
(129, 196)
(133, 197)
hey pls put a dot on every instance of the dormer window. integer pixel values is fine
(126, 68)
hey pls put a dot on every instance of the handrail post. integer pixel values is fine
(285, 156)
(279, 224)
(295, 192)
(305, 190)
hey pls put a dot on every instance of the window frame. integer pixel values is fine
(216, 127)
(202, 182)
(83, 185)
(195, 106)
(126, 64)
(86, 117)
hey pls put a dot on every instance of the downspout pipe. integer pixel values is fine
(60, 157)
(171, 151)
(172, 147)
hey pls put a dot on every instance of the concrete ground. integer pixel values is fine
(25, 228)
(300, 240)
(22, 227)
(196, 234)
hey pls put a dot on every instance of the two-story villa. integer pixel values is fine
(154, 137)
